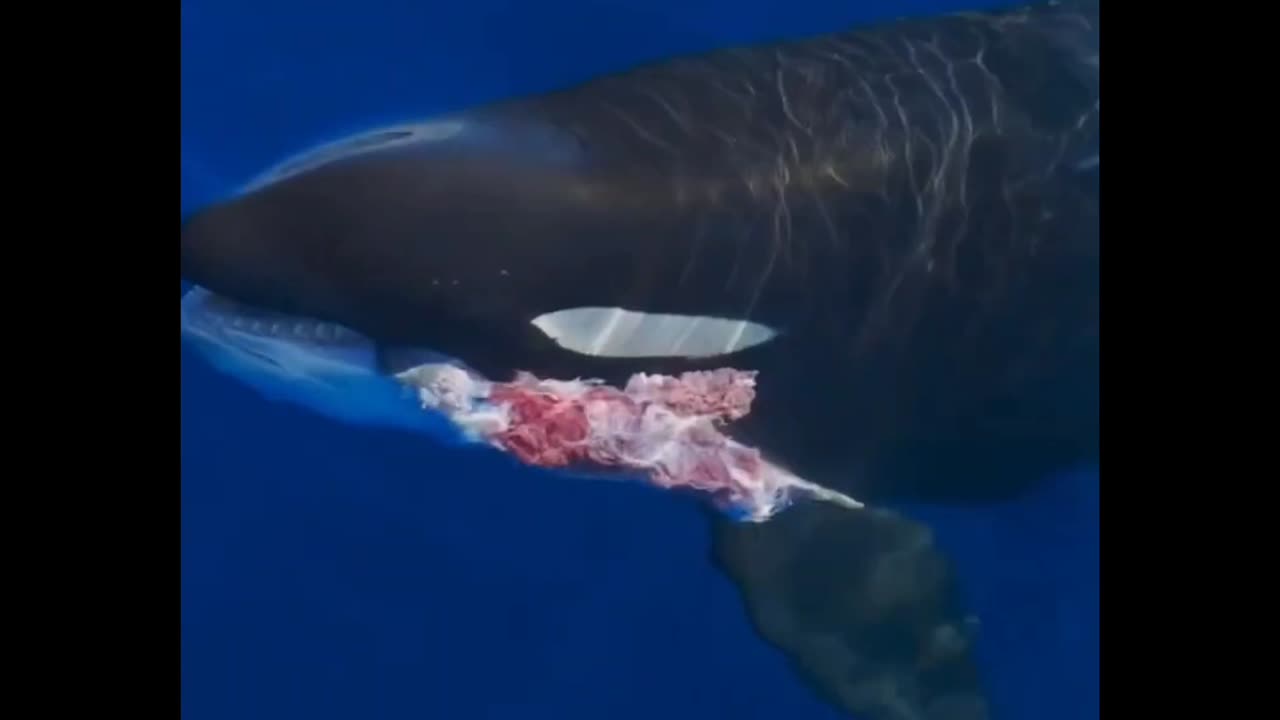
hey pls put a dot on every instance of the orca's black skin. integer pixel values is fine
(914, 204)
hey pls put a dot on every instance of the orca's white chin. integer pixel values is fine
(323, 367)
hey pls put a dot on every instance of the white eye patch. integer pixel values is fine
(614, 332)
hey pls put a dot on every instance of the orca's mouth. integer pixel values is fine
(319, 365)
(209, 312)
(251, 341)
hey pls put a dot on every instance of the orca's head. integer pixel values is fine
(494, 241)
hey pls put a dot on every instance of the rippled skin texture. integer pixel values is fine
(913, 204)
(905, 202)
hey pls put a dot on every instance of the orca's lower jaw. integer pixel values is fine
(321, 366)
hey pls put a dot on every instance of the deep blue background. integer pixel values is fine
(338, 572)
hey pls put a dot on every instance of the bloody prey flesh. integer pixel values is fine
(667, 429)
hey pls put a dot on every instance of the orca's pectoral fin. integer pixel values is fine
(865, 607)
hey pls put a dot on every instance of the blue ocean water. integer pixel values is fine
(339, 572)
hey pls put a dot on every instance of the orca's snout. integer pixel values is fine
(188, 251)
(206, 241)
(229, 248)
(454, 238)
(184, 256)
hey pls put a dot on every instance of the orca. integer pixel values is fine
(896, 226)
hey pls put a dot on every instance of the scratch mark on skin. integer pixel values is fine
(786, 102)
(676, 117)
(640, 130)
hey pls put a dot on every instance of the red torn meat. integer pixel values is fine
(667, 428)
